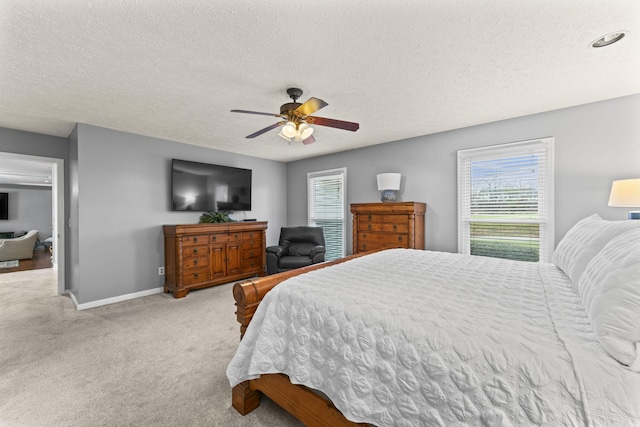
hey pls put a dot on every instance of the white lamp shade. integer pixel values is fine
(389, 181)
(625, 193)
(305, 131)
(289, 130)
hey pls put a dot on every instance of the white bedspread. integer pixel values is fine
(419, 338)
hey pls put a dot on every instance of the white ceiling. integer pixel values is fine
(401, 68)
(25, 172)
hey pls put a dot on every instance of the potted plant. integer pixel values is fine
(214, 216)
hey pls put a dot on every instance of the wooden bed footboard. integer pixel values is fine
(249, 293)
(306, 405)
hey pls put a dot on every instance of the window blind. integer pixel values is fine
(505, 200)
(326, 208)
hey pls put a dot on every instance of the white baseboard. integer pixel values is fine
(107, 301)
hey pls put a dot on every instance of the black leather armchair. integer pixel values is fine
(298, 247)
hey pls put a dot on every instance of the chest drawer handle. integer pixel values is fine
(364, 235)
(369, 227)
(195, 240)
(395, 227)
(251, 243)
(195, 262)
(236, 236)
(364, 246)
(399, 238)
(214, 238)
(195, 275)
(195, 251)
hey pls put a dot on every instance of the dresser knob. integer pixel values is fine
(369, 217)
(195, 262)
(395, 227)
(251, 243)
(214, 238)
(195, 251)
(399, 238)
(369, 227)
(195, 240)
(195, 275)
(364, 246)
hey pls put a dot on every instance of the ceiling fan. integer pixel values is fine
(297, 118)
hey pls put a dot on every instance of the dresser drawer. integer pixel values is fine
(195, 275)
(251, 244)
(252, 235)
(195, 251)
(251, 252)
(401, 227)
(252, 264)
(223, 238)
(200, 261)
(195, 240)
(371, 241)
(396, 219)
(367, 218)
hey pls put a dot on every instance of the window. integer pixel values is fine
(326, 209)
(505, 205)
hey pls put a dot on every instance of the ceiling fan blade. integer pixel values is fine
(267, 129)
(340, 124)
(309, 140)
(310, 107)
(256, 112)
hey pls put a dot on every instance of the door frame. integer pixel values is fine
(57, 211)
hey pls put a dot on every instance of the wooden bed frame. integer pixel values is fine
(306, 405)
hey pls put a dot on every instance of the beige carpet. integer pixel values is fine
(153, 361)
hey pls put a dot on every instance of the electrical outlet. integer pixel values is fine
(161, 271)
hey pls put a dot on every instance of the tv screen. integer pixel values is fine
(4, 205)
(206, 187)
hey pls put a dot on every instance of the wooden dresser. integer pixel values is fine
(388, 225)
(202, 255)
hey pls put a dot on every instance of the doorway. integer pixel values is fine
(57, 212)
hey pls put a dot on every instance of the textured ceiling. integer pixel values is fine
(174, 69)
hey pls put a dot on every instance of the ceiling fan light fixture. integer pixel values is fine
(289, 130)
(305, 131)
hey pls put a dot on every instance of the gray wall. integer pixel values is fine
(34, 144)
(123, 200)
(30, 208)
(594, 145)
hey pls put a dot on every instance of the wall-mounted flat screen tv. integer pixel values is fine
(207, 187)
(4, 205)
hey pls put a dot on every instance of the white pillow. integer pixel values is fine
(610, 290)
(584, 240)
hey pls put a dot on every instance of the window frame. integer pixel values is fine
(342, 171)
(514, 149)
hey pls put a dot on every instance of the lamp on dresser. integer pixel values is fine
(626, 193)
(389, 184)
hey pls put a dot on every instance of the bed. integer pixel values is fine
(407, 337)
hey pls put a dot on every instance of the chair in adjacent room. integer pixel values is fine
(18, 248)
(298, 247)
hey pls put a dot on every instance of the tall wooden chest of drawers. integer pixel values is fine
(202, 255)
(388, 225)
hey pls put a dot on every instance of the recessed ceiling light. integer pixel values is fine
(608, 39)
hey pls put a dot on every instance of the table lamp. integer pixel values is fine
(626, 193)
(389, 184)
